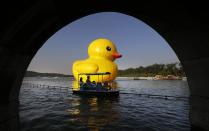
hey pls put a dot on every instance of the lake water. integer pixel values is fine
(58, 109)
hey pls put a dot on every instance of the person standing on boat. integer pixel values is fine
(88, 82)
(81, 81)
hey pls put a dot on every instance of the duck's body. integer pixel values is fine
(102, 54)
(95, 66)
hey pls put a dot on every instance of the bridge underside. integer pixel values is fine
(26, 26)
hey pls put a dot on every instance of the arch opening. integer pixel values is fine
(94, 101)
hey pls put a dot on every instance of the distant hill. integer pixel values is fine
(35, 74)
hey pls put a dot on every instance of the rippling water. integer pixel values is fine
(60, 110)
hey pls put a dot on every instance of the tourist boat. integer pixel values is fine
(96, 89)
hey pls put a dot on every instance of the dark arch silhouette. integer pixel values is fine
(26, 26)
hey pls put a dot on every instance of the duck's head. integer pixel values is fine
(103, 48)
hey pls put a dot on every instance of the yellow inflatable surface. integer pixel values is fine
(102, 53)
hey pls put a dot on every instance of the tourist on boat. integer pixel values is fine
(88, 79)
(88, 82)
(81, 81)
(106, 85)
(93, 83)
(99, 85)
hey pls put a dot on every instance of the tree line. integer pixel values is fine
(154, 69)
(35, 74)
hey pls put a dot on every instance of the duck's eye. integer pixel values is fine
(108, 48)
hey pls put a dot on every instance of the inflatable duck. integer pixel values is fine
(102, 53)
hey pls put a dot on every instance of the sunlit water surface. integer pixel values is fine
(46, 109)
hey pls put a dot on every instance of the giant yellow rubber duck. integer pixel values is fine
(102, 53)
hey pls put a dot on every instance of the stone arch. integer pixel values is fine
(28, 25)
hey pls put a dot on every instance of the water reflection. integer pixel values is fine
(93, 113)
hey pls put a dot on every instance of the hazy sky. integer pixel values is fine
(139, 44)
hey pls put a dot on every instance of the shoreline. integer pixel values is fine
(150, 78)
(122, 78)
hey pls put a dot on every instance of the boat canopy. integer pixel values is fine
(101, 73)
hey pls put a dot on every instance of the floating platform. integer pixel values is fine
(97, 93)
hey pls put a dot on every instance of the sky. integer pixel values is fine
(139, 44)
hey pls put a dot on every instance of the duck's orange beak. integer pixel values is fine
(116, 55)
